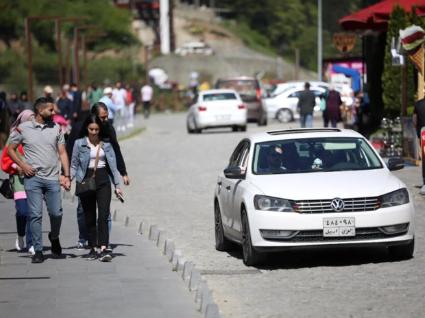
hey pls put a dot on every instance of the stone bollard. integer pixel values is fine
(175, 260)
(127, 221)
(161, 241)
(195, 278)
(114, 216)
(169, 249)
(187, 270)
(154, 233)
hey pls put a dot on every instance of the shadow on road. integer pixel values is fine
(307, 258)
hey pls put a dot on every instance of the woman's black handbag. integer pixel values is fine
(6, 189)
(88, 185)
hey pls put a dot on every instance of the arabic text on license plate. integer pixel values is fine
(333, 227)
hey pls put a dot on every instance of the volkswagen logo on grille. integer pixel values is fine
(337, 205)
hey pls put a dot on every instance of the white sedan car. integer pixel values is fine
(217, 108)
(311, 188)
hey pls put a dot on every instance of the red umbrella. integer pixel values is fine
(376, 16)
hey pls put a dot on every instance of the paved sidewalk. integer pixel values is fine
(137, 283)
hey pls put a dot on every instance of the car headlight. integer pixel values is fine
(266, 203)
(395, 198)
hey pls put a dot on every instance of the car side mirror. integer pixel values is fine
(396, 163)
(234, 173)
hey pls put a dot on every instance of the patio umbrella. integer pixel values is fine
(375, 17)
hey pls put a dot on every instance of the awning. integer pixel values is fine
(376, 16)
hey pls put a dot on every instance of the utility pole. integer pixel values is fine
(164, 26)
(319, 39)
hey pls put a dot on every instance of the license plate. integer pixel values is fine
(334, 227)
(222, 117)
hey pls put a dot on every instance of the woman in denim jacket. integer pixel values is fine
(82, 166)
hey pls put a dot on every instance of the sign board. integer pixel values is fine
(344, 42)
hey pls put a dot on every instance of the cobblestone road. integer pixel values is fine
(174, 176)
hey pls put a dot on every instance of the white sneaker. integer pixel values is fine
(19, 243)
(80, 246)
(31, 250)
(422, 191)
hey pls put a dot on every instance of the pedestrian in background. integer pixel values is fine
(147, 95)
(64, 103)
(92, 157)
(24, 100)
(44, 150)
(333, 108)
(14, 106)
(107, 100)
(419, 122)
(306, 103)
(129, 106)
(19, 195)
(77, 100)
(119, 96)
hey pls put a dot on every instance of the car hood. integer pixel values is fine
(327, 185)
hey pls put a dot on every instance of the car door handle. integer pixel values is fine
(228, 187)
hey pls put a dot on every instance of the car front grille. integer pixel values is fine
(324, 206)
(367, 233)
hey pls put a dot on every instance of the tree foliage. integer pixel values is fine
(292, 24)
(392, 75)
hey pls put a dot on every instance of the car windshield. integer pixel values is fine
(313, 155)
(219, 96)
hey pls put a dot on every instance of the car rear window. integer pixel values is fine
(219, 96)
(243, 87)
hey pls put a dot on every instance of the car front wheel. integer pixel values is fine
(402, 252)
(250, 256)
(284, 115)
(221, 242)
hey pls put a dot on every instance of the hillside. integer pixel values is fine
(232, 56)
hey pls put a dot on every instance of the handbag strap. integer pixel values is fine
(97, 159)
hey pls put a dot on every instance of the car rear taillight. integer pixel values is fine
(202, 108)
(241, 106)
(258, 93)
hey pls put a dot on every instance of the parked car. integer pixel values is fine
(250, 91)
(217, 108)
(283, 106)
(194, 48)
(281, 87)
(311, 188)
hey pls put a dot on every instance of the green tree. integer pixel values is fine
(392, 75)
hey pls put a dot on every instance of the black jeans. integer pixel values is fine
(98, 234)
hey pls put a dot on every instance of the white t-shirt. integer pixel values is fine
(93, 152)
(119, 96)
(147, 93)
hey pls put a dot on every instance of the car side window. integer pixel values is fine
(294, 95)
(240, 155)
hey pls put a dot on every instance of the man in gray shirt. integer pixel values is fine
(306, 103)
(44, 151)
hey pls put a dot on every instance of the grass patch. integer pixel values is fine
(134, 133)
(251, 38)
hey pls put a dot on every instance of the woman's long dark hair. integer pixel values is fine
(92, 119)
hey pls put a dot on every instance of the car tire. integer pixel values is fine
(235, 128)
(250, 256)
(402, 252)
(221, 242)
(189, 130)
(242, 128)
(284, 115)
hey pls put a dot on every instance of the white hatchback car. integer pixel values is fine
(217, 108)
(311, 188)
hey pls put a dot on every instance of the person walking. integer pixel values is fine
(109, 134)
(119, 96)
(44, 148)
(19, 194)
(306, 103)
(419, 123)
(107, 100)
(94, 158)
(147, 95)
(333, 108)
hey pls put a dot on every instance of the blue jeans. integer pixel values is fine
(37, 189)
(306, 121)
(82, 228)
(23, 220)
